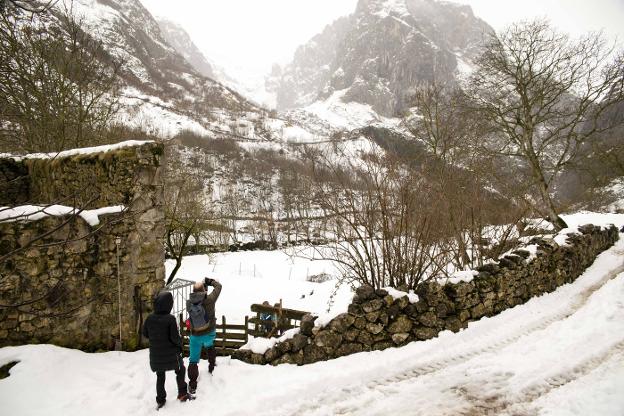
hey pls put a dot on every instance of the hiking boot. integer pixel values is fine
(185, 397)
(192, 390)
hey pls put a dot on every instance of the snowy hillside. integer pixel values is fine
(558, 354)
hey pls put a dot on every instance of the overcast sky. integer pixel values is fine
(256, 33)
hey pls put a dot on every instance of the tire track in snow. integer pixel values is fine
(335, 398)
(520, 405)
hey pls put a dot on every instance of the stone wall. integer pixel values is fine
(376, 320)
(66, 283)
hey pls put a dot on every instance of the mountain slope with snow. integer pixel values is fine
(382, 51)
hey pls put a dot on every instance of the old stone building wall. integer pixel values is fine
(376, 321)
(62, 289)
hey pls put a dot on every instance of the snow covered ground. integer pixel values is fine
(559, 354)
(255, 276)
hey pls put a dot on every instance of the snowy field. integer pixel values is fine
(559, 354)
(256, 276)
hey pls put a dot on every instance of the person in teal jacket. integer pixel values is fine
(201, 309)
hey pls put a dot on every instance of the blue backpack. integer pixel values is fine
(198, 315)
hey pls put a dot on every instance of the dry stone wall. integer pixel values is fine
(63, 288)
(376, 321)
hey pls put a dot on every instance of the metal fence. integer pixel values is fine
(181, 290)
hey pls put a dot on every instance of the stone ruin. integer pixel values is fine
(62, 289)
(376, 320)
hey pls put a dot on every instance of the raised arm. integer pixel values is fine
(214, 295)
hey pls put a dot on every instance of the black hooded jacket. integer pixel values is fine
(161, 329)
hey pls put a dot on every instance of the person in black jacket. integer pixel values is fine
(165, 347)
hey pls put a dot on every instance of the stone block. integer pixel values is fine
(348, 349)
(307, 324)
(400, 338)
(299, 342)
(402, 324)
(428, 319)
(313, 353)
(328, 339)
(360, 323)
(423, 333)
(372, 316)
(365, 292)
(365, 338)
(372, 305)
(351, 334)
(342, 322)
(374, 328)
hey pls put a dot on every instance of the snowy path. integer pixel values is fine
(560, 354)
(472, 368)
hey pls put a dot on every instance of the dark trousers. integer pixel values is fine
(193, 370)
(161, 393)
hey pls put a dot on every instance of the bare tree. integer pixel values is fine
(186, 211)
(542, 94)
(58, 85)
(382, 229)
(29, 6)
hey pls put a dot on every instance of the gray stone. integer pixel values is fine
(307, 324)
(372, 305)
(365, 292)
(360, 323)
(402, 324)
(388, 300)
(374, 328)
(348, 349)
(380, 346)
(355, 310)
(271, 354)
(284, 359)
(365, 338)
(299, 341)
(383, 318)
(286, 346)
(400, 338)
(478, 311)
(351, 334)
(381, 293)
(453, 324)
(342, 322)
(313, 353)
(372, 316)
(402, 302)
(428, 319)
(328, 339)
(424, 333)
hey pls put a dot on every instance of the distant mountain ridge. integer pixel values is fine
(382, 51)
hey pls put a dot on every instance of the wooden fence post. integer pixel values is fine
(246, 329)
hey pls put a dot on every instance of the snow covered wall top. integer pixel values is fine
(90, 178)
(376, 320)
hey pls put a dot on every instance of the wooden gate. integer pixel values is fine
(230, 337)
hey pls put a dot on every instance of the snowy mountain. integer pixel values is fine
(179, 39)
(162, 90)
(379, 53)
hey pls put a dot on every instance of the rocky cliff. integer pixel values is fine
(379, 53)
